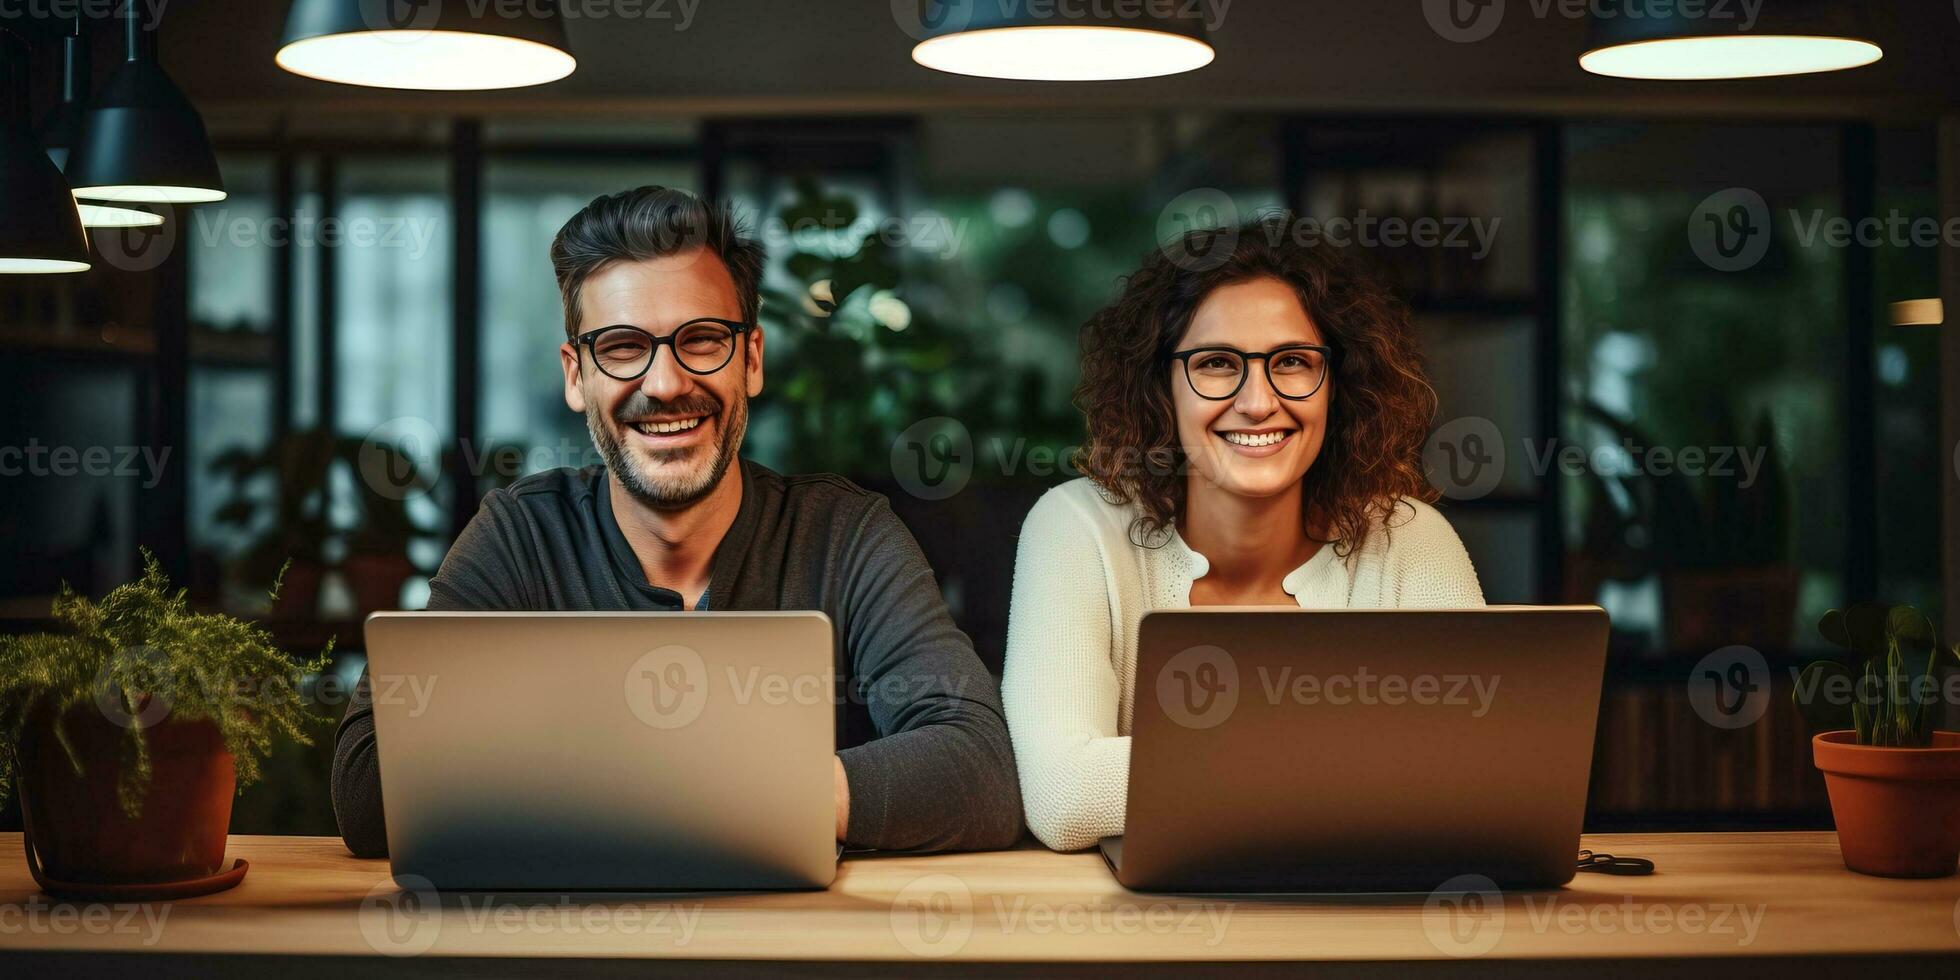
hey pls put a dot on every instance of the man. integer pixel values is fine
(662, 355)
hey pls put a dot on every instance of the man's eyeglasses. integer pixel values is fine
(1295, 371)
(701, 346)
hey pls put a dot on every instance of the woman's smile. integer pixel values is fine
(1257, 443)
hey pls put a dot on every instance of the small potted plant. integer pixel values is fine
(1894, 781)
(129, 732)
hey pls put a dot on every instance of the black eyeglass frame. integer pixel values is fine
(1327, 353)
(587, 339)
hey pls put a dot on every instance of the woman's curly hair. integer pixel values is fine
(1382, 403)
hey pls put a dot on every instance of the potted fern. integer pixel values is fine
(129, 732)
(1893, 780)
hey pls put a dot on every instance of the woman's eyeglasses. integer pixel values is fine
(624, 353)
(1295, 371)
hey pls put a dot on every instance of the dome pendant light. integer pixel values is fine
(40, 229)
(988, 40)
(429, 45)
(64, 124)
(110, 216)
(1793, 37)
(141, 139)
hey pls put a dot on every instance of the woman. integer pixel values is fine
(1256, 418)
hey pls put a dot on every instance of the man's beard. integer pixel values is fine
(667, 492)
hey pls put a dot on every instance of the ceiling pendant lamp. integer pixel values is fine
(61, 127)
(110, 216)
(1793, 37)
(428, 45)
(141, 140)
(40, 230)
(1091, 44)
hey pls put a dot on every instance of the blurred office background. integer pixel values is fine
(346, 353)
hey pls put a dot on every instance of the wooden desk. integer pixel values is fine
(1721, 905)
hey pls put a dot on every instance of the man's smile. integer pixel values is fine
(668, 432)
(657, 426)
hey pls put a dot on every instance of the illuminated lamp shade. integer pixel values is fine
(1919, 313)
(428, 46)
(1796, 37)
(1008, 41)
(40, 230)
(110, 216)
(141, 140)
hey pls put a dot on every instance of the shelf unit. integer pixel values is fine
(1470, 311)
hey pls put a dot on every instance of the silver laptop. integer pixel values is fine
(1379, 750)
(597, 751)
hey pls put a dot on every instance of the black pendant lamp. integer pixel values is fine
(40, 229)
(428, 45)
(141, 139)
(1093, 42)
(64, 125)
(1787, 37)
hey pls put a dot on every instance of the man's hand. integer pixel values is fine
(843, 798)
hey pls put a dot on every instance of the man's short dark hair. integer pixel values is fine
(646, 223)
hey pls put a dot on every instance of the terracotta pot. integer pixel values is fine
(78, 828)
(1897, 810)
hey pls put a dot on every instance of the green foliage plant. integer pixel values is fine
(1893, 701)
(141, 649)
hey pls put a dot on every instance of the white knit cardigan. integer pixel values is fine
(1081, 586)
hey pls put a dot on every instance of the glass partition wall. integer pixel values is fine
(363, 340)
